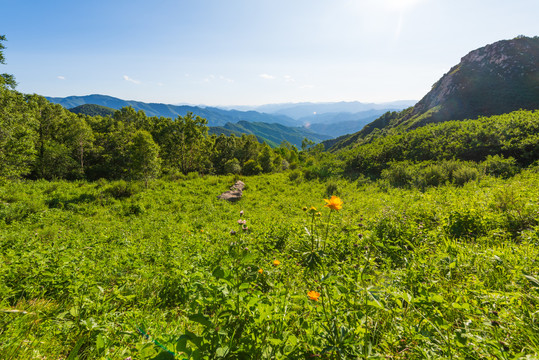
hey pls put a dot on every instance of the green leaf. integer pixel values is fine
(218, 273)
(201, 319)
(222, 351)
(532, 280)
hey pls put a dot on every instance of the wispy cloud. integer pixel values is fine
(127, 78)
(288, 78)
(61, 77)
(228, 80)
(209, 78)
(267, 76)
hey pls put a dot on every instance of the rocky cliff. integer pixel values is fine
(495, 79)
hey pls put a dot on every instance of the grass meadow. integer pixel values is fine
(115, 270)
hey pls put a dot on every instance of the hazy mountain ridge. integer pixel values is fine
(273, 134)
(326, 119)
(492, 80)
(215, 116)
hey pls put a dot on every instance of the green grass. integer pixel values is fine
(113, 270)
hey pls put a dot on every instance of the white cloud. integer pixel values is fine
(208, 78)
(61, 77)
(267, 76)
(289, 78)
(226, 79)
(127, 78)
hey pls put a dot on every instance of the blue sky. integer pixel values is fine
(249, 52)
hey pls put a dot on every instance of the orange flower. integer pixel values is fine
(276, 262)
(334, 203)
(313, 295)
(260, 271)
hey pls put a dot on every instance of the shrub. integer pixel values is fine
(465, 223)
(499, 166)
(122, 189)
(295, 175)
(398, 174)
(232, 166)
(332, 189)
(464, 174)
(251, 167)
(433, 175)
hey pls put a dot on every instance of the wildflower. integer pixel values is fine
(304, 208)
(244, 228)
(232, 232)
(241, 213)
(312, 210)
(240, 221)
(276, 262)
(313, 295)
(260, 271)
(334, 203)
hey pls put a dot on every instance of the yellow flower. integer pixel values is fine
(312, 210)
(313, 295)
(334, 203)
(260, 271)
(276, 262)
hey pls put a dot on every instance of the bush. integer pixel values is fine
(122, 189)
(465, 223)
(332, 189)
(499, 166)
(232, 166)
(251, 167)
(398, 174)
(464, 174)
(295, 175)
(433, 175)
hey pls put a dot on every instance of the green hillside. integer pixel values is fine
(272, 134)
(93, 110)
(514, 135)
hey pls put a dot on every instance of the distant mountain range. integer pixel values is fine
(215, 116)
(328, 119)
(273, 134)
(305, 109)
(492, 80)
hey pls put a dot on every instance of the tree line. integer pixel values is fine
(41, 140)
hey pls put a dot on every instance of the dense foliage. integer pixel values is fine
(112, 270)
(514, 135)
(43, 140)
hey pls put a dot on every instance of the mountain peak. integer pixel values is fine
(494, 79)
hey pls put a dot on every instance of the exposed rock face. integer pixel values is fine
(235, 193)
(495, 79)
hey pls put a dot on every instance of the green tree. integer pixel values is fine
(186, 144)
(145, 161)
(79, 137)
(265, 159)
(6, 80)
(17, 135)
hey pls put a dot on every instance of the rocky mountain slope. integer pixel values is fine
(492, 80)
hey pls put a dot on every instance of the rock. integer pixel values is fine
(235, 192)
(239, 185)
